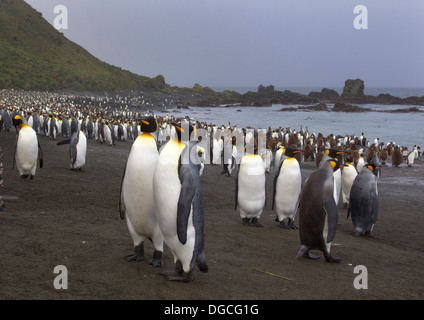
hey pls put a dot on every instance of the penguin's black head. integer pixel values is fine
(182, 129)
(334, 164)
(290, 152)
(148, 124)
(17, 121)
(333, 152)
(373, 168)
(349, 158)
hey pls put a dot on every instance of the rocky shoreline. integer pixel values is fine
(265, 96)
(172, 98)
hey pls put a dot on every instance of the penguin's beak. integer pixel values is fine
(145, 122)
(297, 151)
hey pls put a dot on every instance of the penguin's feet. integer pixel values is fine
(178, 274)
(305, 253)
(284, 225)
(291, 225)
(24, 176)
(156, 261)
(138, 254)
(246, 222)
(255, 222)
(309, 255)
(172, 276)
(31, 178)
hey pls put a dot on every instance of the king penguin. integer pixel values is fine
(333, 153)
(136, 202)
(177, 192)
(27, 149)
(250, 189)
(77, 149)
(349, 174)
(318, 213)
(363, 205)
(286, 191)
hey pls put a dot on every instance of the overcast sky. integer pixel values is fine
(288, 43)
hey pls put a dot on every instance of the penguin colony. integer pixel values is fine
(161, 195)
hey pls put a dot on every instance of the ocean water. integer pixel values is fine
(405, 129)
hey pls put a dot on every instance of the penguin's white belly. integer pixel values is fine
(251, 187)
(81, 151)
(108, 135)
(337, 175)
(288, 189)
(325, 233)
(27, 151)
(360, 165)
(348, 175)
(137, 191)
(166, 191)
(216, 152)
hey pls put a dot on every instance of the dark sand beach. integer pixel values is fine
(71, 218)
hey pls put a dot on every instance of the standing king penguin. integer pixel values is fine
(318, 213)
(333, 153)
(27, 150)
(250, 191)
(363, 205)
(177, 193)
(77, 149)
(136, 202)
(287, 186)
(349, 174)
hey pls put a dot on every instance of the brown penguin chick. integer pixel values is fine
(371, 151)
(319, 156)
(293, 142)
(384, 154)
(308, 152)
(355, 156)
(389, 149)
(396, 157)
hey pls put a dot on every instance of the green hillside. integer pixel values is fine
(35, 56)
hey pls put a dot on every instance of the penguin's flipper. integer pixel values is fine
(332, 215)
(236, 187)
(374, 198)
(275, 182)
(187, 193)
(40, 155)
(14, 154)
(73, 150)
(121, 197)
(67, 141)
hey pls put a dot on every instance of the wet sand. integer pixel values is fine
(71, 218)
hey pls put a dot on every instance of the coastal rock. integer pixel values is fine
(343, 107)
(319, 107)
(325, 95)
(353, 89)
